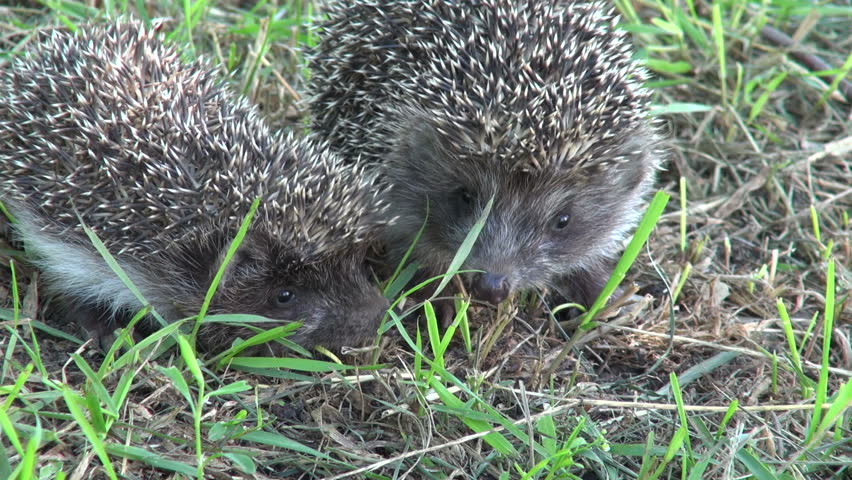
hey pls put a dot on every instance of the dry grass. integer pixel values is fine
(758, 176)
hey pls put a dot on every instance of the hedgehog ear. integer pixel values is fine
(641, 168)
(418, 144)
(627, 178)
(250, 254)
(417, 139)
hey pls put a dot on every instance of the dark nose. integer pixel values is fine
(491, 288)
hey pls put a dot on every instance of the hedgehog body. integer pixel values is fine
(536, 104)
(109, 128)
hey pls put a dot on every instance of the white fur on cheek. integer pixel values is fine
(77, 271)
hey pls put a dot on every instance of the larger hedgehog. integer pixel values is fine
(534, 103)
(110, 128)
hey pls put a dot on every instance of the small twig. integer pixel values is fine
(620, 404)
(717, 346)
(285, 84)
(813, 62)
(736, 199)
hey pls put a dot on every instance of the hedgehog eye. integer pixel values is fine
(284, 296)
(561, 222)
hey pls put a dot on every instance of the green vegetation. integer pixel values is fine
(726, 353)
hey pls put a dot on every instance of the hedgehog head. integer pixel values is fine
(545, 223)
(331, 294)
(541, 108)
(303, 256)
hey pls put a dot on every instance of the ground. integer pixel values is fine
(727, 333)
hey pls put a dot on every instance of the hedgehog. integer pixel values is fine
(534, 105)
(108, 128)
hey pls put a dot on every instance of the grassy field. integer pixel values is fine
(728, 356)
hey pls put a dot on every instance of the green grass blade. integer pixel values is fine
(754, 465)
(434, 334)
(400, 280)
(16, 304)
(683, 215)
(116, 268)
(681, 410)
(232, 250)
(8, 429)
(764, 97)
(278, 333)
(839, 77)
(30, 458)
(74, 401)
(649, 220)
(828, 327)
(495, 439)
(299, 364)
(465, 248)
(179, 383)
(719, 40)
(150, 458)
(236, 387)
(841, 404)
(395, 283)
(729, 414)
(278, 440)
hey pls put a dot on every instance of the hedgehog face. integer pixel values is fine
(539, 230)
(332, 296)
(543, 225)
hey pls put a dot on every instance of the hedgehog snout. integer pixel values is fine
(491, 287)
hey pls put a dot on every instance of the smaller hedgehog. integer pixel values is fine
(536, 104)
(110, 128)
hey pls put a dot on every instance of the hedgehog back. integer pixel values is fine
(111, 125)
(532, 84)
